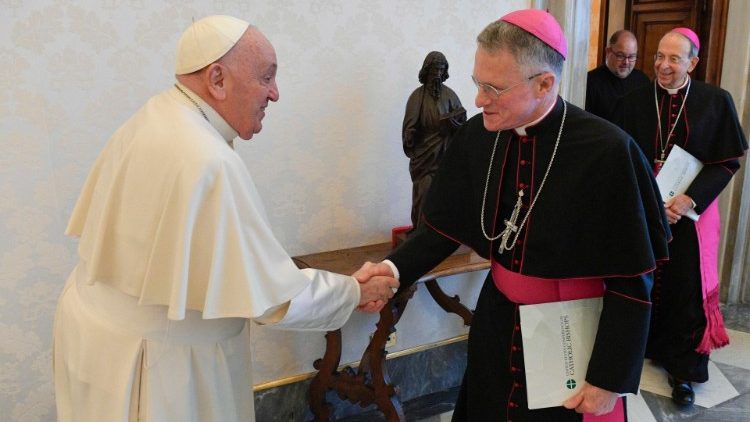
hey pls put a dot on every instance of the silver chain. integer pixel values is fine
(533, 202)
(192, 101)
(658, 120)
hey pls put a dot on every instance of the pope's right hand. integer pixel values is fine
(375, 292)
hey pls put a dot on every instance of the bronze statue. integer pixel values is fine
(433, 112)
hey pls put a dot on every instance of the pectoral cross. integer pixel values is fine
(511, 227)
(659, 162)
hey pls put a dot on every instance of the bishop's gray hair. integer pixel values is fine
(693, 50)
(530, 52)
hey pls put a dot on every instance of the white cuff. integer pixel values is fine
(394, 270)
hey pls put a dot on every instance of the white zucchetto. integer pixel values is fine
(206, 41)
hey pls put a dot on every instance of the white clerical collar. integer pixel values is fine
(521, 130)
(214, 118)
(673, 91)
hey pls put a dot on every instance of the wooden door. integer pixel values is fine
(651, 19)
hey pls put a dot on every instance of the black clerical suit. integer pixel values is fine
(599, 215)
(603, 89)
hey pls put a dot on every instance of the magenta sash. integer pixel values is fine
(707, 229)
(525, 289)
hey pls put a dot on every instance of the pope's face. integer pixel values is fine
(516, 104)
(672, 62)
(254, 86)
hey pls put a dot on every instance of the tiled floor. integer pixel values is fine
(725, 397)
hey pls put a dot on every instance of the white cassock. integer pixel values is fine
(175, 256)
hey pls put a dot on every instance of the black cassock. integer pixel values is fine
(599, 215)
(603, 89)
(708, 128)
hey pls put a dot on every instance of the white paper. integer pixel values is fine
(677, 174)
(558, 339)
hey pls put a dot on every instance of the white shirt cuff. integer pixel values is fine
(394, 270)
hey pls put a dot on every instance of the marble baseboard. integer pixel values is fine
(427, 384)
(286, 403)
(435, 407)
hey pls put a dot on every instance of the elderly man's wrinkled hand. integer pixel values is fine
(371, 307)
(678, 206)
(375, 292)
(368, 269)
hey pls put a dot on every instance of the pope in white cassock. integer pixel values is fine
(176, 254)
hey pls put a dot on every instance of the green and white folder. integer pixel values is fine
(558, 338)
(677, 174)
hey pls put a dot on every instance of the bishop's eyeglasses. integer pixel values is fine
(622, 57)
(495, 93)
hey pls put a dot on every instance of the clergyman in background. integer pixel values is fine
(677, 110)
(616, 77)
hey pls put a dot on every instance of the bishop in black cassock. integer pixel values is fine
(595, 219)
(677, 110)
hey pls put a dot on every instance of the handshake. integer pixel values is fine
(376, 285)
